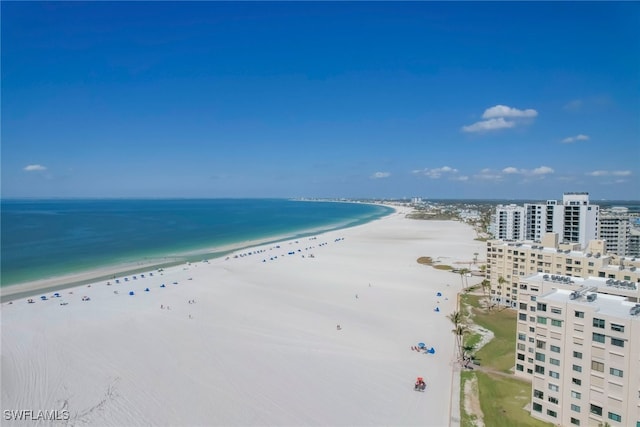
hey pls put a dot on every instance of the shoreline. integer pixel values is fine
(342, 310)
(61, 282)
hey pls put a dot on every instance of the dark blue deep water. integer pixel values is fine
(47, 238)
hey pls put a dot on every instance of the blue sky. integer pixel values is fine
(300, 99)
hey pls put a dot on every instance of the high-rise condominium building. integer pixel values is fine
(616, 229)
(578, 342)
(509, 222)
(575, 220)
(509, 262)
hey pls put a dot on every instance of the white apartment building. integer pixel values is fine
(616, 229)
(575, 220)
(509, 222)
(509, 262)
(581, 350)
(580, 219)
(531, 288)
(542, 218)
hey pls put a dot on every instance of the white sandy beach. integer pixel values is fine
(252, 340)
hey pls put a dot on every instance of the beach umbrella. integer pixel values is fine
(146, 290)
(431, 350)
(162, 286)
(437, 309)
(439, 294)
(421, 345)
(131, 293)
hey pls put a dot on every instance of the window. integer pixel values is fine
(576, 381)
(615, 372)
(538, 394)
(553, 400)
(575, 421)
(553, 387)
(552, 413)
(520, 356)
(537, 407)
(539, 369)
(555, 322)
(541, 344)
(523, 306)
(598, 323)
(617, 328)
(540, 357)
(597, 366)
(542, 307)
(521, 346)
(614, 417)
(598, 337)
(522, 316)
(519, 367)
(577, 368)
(542, 320)
(576, 395)
(553, 374)
(579, 314)
(554, 361)
(617, 342)
(575, 408)
(577, 355)
(555, 310)
(522, 337)
(595, 409)
(555, 349)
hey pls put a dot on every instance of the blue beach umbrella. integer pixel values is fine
(421, 345)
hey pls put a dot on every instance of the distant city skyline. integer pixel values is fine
(451, 100)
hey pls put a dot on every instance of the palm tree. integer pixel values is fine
(486, 286)
(463, 277)
(460, 331)
(456, 318)
(475, 258)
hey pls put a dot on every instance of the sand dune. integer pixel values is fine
(252, 340)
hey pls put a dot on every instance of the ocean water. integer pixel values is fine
(47, 238)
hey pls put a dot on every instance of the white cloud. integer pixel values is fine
(460, 178)
(501, 117)
(379, 175)
(488, 125)
(504, 111)
(510, 170)
(34, 168)
(579, 137)
(608, 173)
(436, 173)
(488, 174)
(542, 170)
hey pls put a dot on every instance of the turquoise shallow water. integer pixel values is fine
(46, 238)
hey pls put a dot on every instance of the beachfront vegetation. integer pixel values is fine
(503, 398)
(427, 260)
